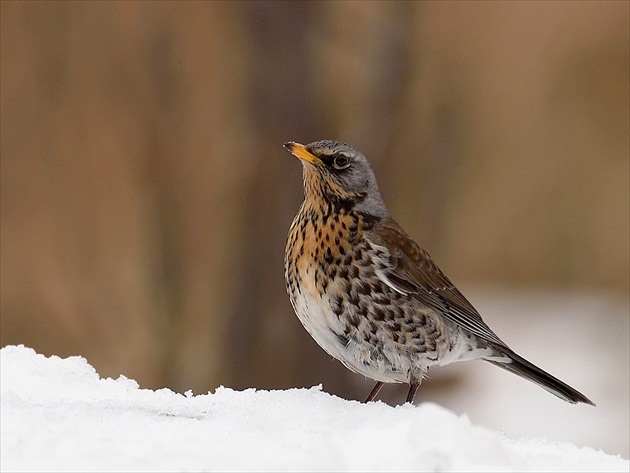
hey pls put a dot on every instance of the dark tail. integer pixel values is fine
(527, 370)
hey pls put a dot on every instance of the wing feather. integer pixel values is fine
(412, 271)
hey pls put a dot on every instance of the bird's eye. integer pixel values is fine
(341, 161)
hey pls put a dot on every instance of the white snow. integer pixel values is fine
(59, 415)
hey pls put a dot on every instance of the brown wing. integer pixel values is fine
(412, 271)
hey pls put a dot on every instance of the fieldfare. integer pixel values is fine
(369, 295)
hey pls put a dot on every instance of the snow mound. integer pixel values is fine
(59, 415)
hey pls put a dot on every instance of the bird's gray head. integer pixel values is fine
(340, 175)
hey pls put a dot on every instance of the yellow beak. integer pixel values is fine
(300, 151)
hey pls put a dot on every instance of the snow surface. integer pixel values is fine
(59, 415)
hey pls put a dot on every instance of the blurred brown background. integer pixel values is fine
(146, 196)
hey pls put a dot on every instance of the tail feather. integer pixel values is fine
(523, 368)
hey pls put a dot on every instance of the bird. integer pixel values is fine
(369, 295)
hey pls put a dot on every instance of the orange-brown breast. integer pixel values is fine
(319, 243)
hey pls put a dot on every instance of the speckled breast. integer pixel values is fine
(331, 272)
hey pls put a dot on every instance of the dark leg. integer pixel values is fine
(413, 387)
(374, 392)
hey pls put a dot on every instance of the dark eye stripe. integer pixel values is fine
(338, 161)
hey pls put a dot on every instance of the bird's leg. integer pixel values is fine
(413, 387)
(374, 392)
